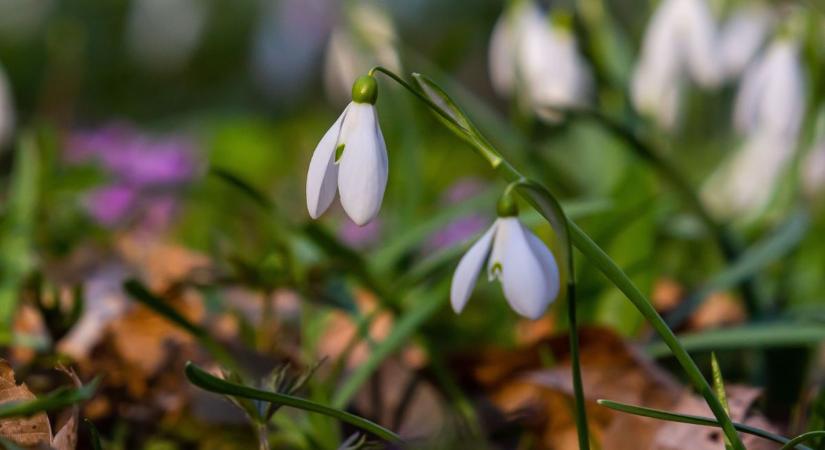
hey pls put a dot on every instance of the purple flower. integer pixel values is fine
(143, 169)
(110, 205)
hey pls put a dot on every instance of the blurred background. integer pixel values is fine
(167, 142)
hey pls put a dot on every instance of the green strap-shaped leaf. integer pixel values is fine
(211, 383)
(58, 399)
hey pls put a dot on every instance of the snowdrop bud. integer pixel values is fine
(514, 256)
(365, 90)
(351, 159)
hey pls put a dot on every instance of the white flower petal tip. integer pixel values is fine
(680, 43)
(532, 56)
(525, 267)
(466, 274)
(359, 175)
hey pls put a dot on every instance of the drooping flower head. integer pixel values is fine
(351, 159)
(514, 256)
(531, 54)
(679, 43)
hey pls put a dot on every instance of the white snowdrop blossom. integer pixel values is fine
(769, 108)
(741, 37)
(351, 159)
(771, 96)
(679, 43)
(515, 257)
(365, 39)
(530, 54)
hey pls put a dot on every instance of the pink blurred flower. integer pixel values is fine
(144, 171)
(360, 237)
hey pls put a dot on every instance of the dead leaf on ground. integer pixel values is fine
(28, 432)
(541, 398)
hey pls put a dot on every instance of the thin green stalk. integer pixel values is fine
(695, 420)
(802, 438)
(211, 383)
(575, 363)
(586, 246)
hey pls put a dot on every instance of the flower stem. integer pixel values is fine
(599, 257)
(575, 364)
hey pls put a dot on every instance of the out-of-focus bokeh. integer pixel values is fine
(153, 170)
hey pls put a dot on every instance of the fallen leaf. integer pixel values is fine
(28, 432)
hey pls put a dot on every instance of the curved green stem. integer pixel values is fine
(211, 383)
(802, 438)
(592, 251)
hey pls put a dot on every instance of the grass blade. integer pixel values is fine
(211, 383)
(693, 420)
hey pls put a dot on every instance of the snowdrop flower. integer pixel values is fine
(742, 36)
(540, 58)
(515, 257)
(351, 159)
(366, 39)
(679, 43)
(771, 96)
(744, 187)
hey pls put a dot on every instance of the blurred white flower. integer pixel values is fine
(530, 54)
(352, 160)
(7, 116)
(769, 109)
(771, 96)
(744, 186)
(742, 36)
(518, 259)
(163, 34)
(679, 43)
(366, 38)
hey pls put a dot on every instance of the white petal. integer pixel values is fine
(549, 266)
(520, 272)
(322, 177)
(362, 175)
(699, 39)
(502, 60)
(466, 273)
(741, 37)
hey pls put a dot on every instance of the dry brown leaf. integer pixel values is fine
(28, 432)
(66, 437)
(676, 436)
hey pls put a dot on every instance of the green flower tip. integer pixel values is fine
(365, 90)
(507, 206)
